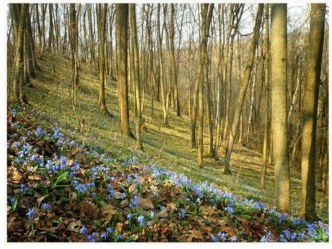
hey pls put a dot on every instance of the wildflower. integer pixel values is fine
(119, 236)
(134, 202)
(31, 213)
(12, 199)
(83, 230)
(24, 188)
(214, 238)
(103, 236)
(266, 237)
(233, 238)
(129, 216)
(282, 218)
(140, 220)
(222, 236)
(123, 196)
(45, 206)
(82, 188)
(109, 230)
(152, 214)
(91, 237)
(129, 179)
(229, 210)
(182, 213)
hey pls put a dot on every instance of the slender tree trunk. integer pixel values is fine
(279, 111)
(101, 15)
(206, 16)
(308, 159)
(122, 45)
(267, 96)
(74, 51)
(136, 74)
(243, 89)
(19, 17)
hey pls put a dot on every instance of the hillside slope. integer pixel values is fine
(169, 146)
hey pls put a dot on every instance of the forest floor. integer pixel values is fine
(168, 147)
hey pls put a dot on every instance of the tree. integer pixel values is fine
(101, 15)
(267, 95)
(308, 158)
(206, 16)
(164, 91)
(243, 89)
(136, 69)
(122, 55)
(279, 111)
(19, 12)
(74, 51)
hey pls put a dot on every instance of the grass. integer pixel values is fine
(168, 147)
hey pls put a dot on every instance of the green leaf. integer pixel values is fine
(60, 179)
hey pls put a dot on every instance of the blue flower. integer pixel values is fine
(83, 230)
(45, 206)
(152, 214)
(266, 237)
(134, 201)
(82, 188)
(92, 237)
(233, 238)
(222, 236)
(31, 213)
(109, 230)
(123, 196)
(24, 188)
(229, 210)
(103, 236)
(129, 216)
(129, 179)
(282, 218)
(119, 236)
(182, 213)
(214, 238)
(12, 199)
(140, 220)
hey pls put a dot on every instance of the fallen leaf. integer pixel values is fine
(74, 226)
(145, 203)
(124, 203)
(108, 211)
(89, 209)
(163, 213)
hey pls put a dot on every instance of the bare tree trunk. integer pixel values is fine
(206, 16)
(267, 96)
(136, 74)
(243, 89)
(74, 51)
(308, 159)
(18, 12)
(101, 15)
(164, 95)
(279, 111)
(121, 39)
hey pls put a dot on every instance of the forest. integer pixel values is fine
(167, 122)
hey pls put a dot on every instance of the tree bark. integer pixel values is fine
(279, 108)
(308, 159)
(243, 89)
(122, 56)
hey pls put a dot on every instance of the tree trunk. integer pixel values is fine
(267, 96)
(19, 18)
(136, 69)
(279, 108)
(308, 159)
(206, 16)
(122, 45)
(243, 89)
(101, 15)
